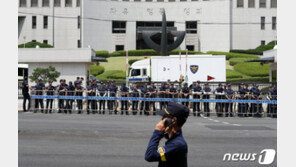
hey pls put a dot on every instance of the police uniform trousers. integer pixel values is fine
(219, 106)
(242, 108)
(145, 105)
(152, 103)
(61, 105)
(229, 109)
(185, 103)
(26, 97)
(124, 106)
(92, 104)
(162, 103)
(69, 105)
(102, 104)
(135, 103)
(206, 105)
(37, 102)
(196, 105)
(49, 105)
(79, 105)
(111, 104)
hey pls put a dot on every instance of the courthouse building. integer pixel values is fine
(111, 25)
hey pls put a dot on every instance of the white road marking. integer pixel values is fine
(210, 119)
(225, 122)
(236, 124)
(216, 121)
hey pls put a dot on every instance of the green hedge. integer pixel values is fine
(102, 53)
(249, 79)
(149, 52)
(234, 61)
(233, 74)
(253, 69)
(230, 55)
(96, 70)
(130, 62)
(111, 75)
(257, 51)
(34, 44)
(118, 75)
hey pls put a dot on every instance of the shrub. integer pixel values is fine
(149, 52)
(109, 75)
(130, 62)
(253, 69)
(102, 53)
(230, 55)
(249, 79)
(233, 74)
(234, 61)
(118, 75)
(34, 44)
(96, 70)
(258, 51)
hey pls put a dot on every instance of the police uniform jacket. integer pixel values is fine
(50, 90)
(102, 90)
(39, 88)
(79, 93)
(91, 88)
(25, 88)
(70, 90)
(62, 87)
(113, 90)
(135, 92)
(173, 154)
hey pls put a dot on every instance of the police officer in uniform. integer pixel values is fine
(152, 94)
(206, 95)
(25, 91)
(135, 93)
(229, 94)
(113, 91)
(95, 86)
(269, 97)
(242, 95)
(91, 92)
(61, 88)
(79, 92)
(172, 91)
(69, 102)
(219, 95)
(124, 93)
(39, 88)
(162, 94)
(174, 152)
(196, 91)
(274, 106)
(256, 108)
(102, 92)
(144, 104)
(247, 104)
(185, 93)
(49, 92)
(76, 81)
(166, 93)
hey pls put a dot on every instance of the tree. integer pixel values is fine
(46, 74)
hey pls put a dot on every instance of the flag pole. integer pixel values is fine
(126, 68)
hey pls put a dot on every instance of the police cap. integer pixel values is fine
(175, 110)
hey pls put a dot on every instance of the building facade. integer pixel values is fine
(113, 25)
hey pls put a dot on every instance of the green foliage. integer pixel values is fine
(34, 44)
(130, 62)
(230, 55)
(234, 61)
(46, 74)
(96, 70)
(253, 69)
(149, 52)
(233, 74)
(102, 53)
(249, 79)
(116, 75)
(257, 51)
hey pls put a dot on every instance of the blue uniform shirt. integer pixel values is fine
(173, 90)
(124, 89)
(173, 154)
(113, 90)
(39, 88)
(185, 90)
(151, 89)
(229, 91)
(50, 90)
(196, 88)
(62, 87)
(207, 89)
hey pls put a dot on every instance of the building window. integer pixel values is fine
(190, 47)
(34, 3)
(34, 22)
(118, 26)
(45, 41)
(78, 22)
(262, 23)
(119, 47)
(194, 0)
(45, 22)
(183, 0)
(148, 0)
(160, 0)
(273, 3)
(172, 0)
(34, 40)
(137, 0)
(273, 23)
(262, 42)
(23, 3)
(77, 3)
(45, 3)
(68, 3)
(57, 3)
(251, 3)
(125, 0)
(262, 3)
(191, 27)
(78, 44)
(240, 3)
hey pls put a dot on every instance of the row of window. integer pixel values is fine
(273, 23)
(45, 22)
(251, 3)
(45, 3)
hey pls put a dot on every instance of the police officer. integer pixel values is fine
(229, 94)
(206, 95)
(108, 95)
(102, 92)
(144, 104)
(76, 81)
(247, 98)
(113, 92)
(174, 153)
(61, 88)
(91, 92)
(124, 93)
(167, 90)
(25, 91)
(185, 92)
(162, 94)
(256, 108)
(69, 102)
(152, 94)
(269, 97)
(274, 106)
(39, 88)
(79, 92)
(95, 87)
(219, 95)
(135, 93)
(242, 95)
(196, 91)
(172, 91)
(49, 92)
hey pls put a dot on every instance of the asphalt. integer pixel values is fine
(59, 140)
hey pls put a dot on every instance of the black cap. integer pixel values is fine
(197, 81)
(175, 110)
(206, 83)
(101, 82)
(228, 85)
(49, 81)
(220, 84)
(40, 80)
(70, 83)
(242, 84)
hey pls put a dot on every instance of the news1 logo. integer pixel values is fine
(265, 157)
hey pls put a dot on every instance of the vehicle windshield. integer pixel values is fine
(135, 72)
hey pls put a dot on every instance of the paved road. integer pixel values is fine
(112, 140)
